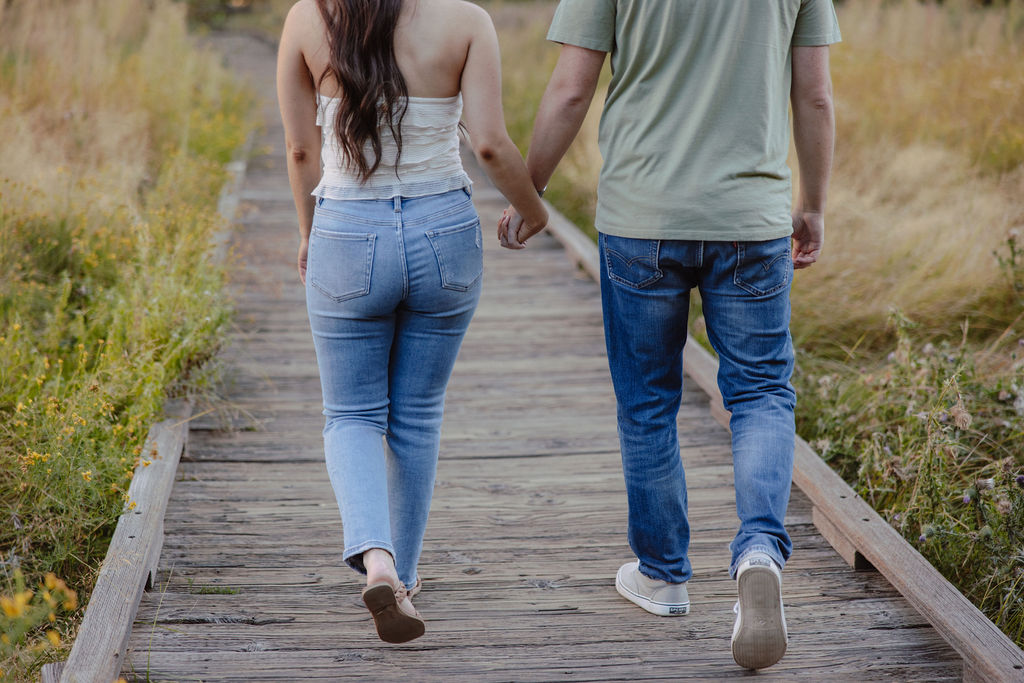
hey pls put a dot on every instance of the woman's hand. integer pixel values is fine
(513, 231)
(303, 258)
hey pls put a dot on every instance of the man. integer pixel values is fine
(695, 193)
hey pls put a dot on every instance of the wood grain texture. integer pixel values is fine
(528, 524)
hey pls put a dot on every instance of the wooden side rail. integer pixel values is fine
(131, 561)
(849, 524)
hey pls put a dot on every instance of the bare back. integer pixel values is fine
(432, 41)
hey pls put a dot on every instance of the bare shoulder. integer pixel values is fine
(303, 9)
(303, 16)
(459, 15)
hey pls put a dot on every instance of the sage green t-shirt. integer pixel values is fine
(695, 129)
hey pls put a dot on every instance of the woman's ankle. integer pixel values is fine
(380, 566)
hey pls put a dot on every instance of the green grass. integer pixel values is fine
(111, 301)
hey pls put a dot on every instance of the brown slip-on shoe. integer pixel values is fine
(394, 624)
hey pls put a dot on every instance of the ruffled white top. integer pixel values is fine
(429, 164)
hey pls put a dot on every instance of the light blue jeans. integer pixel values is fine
(744, 288)
(391, 286)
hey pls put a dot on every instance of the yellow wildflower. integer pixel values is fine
(87, 475)
(54, 639)
(9, 607)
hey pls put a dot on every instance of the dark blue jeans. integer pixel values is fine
(744, 287)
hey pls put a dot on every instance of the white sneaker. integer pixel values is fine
(759, 637)
(657, 597)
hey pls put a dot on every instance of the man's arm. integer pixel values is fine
(814, 138)
(481, 96)
(562, 110)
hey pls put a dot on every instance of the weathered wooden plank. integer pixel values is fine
(131, 560)
(50, 673)
(843, 546)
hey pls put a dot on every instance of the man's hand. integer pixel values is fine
(808, 237)
(508, 229)
(513, 231)
(303, 258)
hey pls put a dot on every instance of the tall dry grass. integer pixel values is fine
(928, 180)
(101, 91)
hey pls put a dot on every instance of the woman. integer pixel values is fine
(390, 249)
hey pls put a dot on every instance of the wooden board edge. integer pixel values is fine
(987, 652)
(50, 673)
(98, 650)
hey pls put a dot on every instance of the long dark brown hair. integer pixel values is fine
(361, 42)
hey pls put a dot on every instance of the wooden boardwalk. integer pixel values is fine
(528, 522)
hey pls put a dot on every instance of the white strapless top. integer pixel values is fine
(429, 164)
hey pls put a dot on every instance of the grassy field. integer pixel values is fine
(116, 131)
(910, 329)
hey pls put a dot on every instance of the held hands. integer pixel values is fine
(513, 231)
(808, 237)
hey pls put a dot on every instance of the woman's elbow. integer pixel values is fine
(491, 147)
(300, 153)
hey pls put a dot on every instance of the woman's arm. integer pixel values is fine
(296, 93)
(494, 149)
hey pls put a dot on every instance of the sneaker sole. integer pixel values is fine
(760, 640)
(659, 608)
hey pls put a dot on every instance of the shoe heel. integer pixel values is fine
(393, 624)
(761, 639)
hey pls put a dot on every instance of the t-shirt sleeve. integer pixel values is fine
(816, 24)
(584, 23)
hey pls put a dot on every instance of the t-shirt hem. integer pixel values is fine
(590, 43)
(759, 234)
(817, 40)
